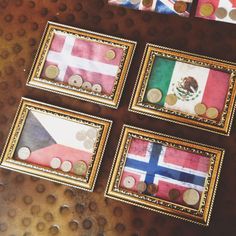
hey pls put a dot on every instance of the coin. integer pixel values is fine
(141, 186)
(110, 54)
(191, 197)
(232, 14)
(174, 194)
(80, 135)
(221, 12)
(147, 3)
(51, 72)
(200, 108)
(24, 153)
(66, 166)
(154, 95)
(180, 6)
(92, 133)
(97, 88)
(87, 86)
(171, 99)
(55, 163)
(80, 168)
(88, 144)
(152, 188)
(212, 113)
(206, 9)
(129, 182)
(75, 80)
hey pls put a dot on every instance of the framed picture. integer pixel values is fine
(56, 144)
(173, 7)
(82, 64)
(218, 10)
(186, 88)
(169, 175)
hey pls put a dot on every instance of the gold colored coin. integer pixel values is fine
(221, 12)
(154, 95)
(212, 113)
(52, 72)
(135, 1)
(232, 14)
(171, 99)
(191, 197)
(80, 168)
(141, 186)
(200, 109)
(174, 194)
(110, 54)
(152, 188)
(147, 3)
(180, 6)
(206, 9)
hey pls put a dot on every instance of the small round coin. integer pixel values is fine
(152, 188)
(141, 186)
(221, 12)
(80, 168)
(147, 3)
(200, 109)
(80, 135)
(66, 166)
(206, 9)
(171, 99)
(88, 144)
(191, 197)
(174, 194)
(97, 88)
(232, 14)
(24, 153)
(129, 182)
(180, 6)
(154, 95)
(110, 54)
(87, 86)
(51, 72)
(135, 1)
(92, 133)
(212, 113)
(75, 80)
(55, 163)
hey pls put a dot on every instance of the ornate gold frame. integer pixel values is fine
(202, 214)
(87, 182)
(136, 105)
(112, 100)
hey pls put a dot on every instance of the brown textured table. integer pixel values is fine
(31, 206)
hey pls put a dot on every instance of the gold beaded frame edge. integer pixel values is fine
(136, 105)
(112, 100)
(86, 183)
(200, 216)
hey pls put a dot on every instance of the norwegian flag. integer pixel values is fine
(73, 55)
(166, 167)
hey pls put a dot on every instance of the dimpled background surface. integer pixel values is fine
(31, 206)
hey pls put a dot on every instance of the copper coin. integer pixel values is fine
(152, 188)
(180, 6)
(147, 3)
(141, 186)
(174, 194)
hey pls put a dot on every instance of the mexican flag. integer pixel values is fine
(190, 83)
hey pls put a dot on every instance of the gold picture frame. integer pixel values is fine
(200, 214)
(117, 72)
(137, 104)
(33, 129)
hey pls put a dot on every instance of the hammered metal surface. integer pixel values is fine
(30, 206)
